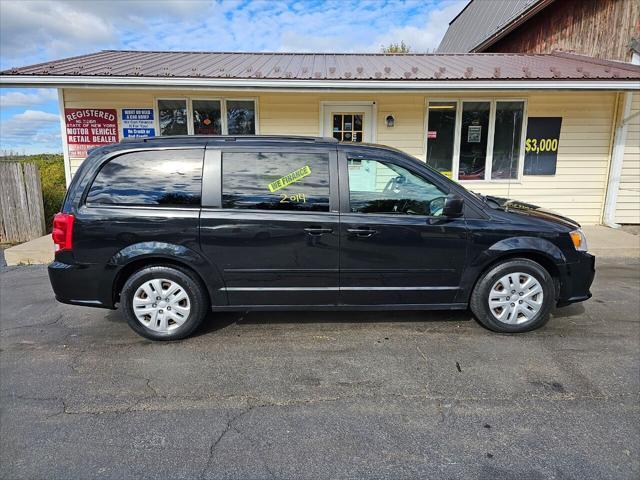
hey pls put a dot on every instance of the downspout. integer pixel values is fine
(617, 158)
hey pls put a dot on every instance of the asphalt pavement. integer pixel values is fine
(306, 395)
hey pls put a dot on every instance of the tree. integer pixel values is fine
(396, 48)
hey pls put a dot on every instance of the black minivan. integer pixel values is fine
(170, 227)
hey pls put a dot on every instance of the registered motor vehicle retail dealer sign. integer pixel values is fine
(89, 127)
(138, 123)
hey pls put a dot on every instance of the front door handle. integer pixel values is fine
(362, 232)
(317, 230)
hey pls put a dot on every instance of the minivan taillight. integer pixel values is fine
(62, 231)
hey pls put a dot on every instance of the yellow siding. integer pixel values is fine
(577, 189)
(628, 204)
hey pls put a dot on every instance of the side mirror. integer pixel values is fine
(453, 206)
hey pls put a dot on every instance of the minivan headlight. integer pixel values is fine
(579, 240)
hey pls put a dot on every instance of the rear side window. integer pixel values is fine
(276, 181)
(153, 178)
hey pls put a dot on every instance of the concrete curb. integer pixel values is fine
(37, 251)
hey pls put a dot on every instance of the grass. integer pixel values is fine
(51, 167)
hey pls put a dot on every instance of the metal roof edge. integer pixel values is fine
(509, 27)
(299, 84)
(596, 61)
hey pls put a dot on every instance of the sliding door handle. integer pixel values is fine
(362, 232)
(317, 230)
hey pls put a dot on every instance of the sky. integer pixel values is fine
(42, 30)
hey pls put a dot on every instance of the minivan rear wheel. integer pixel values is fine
(163, 303)
(514, 296)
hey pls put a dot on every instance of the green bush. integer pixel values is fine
(51, 167)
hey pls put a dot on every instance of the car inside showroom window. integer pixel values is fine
(458, 134)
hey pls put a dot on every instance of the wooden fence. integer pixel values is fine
(21, 207)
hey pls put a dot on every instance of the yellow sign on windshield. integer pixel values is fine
(289, 178)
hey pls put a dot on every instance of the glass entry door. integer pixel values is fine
(348, 122)
(352, 123)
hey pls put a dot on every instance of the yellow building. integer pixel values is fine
(558, 130)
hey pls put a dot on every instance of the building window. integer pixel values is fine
(201, 116)
(347, 127)
(475, 139)
(506, 140)
(207, 117)
(172, 115)
(441, 131)
(241, 117)
(276, 181)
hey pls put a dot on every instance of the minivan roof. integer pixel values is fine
(205, 139)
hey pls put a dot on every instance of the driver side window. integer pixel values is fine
(382, 187)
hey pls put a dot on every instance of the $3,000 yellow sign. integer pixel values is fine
(537, 145)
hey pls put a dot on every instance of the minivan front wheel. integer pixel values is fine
(163, 303)
(514, 296)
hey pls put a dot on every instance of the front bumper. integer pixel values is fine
(576, 280)
(82, 284)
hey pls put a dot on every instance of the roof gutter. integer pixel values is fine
(508, 28)
(51, 81)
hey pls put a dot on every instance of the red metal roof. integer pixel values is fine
(333, 66)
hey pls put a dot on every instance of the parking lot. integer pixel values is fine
(320, 395)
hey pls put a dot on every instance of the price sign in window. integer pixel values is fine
(541, 145)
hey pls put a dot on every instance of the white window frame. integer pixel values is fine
(223, 119)
(223, 111)
(156, 113)
(241, 99)
(455, 164)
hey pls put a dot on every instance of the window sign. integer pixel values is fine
(474, 134)
(88, 128)
(138, 123)
(541, 145)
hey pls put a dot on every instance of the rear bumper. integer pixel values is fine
(577, 278)
(80, 284)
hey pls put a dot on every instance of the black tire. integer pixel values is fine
(197, 296)
(480, 297)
